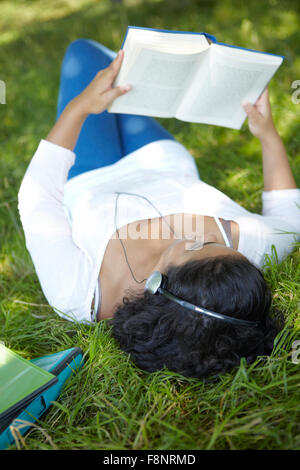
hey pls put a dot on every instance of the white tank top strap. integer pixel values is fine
(224, 234)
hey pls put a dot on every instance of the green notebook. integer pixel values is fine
(20, 381)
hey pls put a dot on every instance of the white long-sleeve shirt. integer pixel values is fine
(67, 225)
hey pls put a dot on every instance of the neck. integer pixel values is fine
(144, 258)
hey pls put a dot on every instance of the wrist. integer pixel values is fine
(269, 137)
(77, 109)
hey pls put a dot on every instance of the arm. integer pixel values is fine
(57, 260)
(276, 167)
(60, 264)
(94, 99)
(280, 198)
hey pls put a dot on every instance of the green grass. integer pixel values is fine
(111, 404)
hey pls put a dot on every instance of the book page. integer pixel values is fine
(164, 41)
(229, 77)
(158, 82)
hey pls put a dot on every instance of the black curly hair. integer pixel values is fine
(160, 333)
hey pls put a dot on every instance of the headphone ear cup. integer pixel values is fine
(154, 282)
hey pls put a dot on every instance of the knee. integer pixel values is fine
(75, 55)
(86, 55)
(77, 47)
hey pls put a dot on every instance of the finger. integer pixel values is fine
(265, 93)
(250, 110)
(108, 74)
(115, 65)
(113, 93)
(264, 98)
(119, 56)
(254, 116)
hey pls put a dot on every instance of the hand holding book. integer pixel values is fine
(99, 93)
(94, 99)
(260, 119)
(276, 167)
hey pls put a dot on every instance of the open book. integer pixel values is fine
(190, 76)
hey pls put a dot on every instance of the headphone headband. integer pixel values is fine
(157, 283)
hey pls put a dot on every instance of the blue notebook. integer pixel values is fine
(20, 381)
(190, 76)
(30, 398)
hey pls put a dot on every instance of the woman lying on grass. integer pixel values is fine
(133, 203)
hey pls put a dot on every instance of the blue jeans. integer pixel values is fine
(106, 137)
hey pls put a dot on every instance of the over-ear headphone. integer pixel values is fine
(157, 284)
